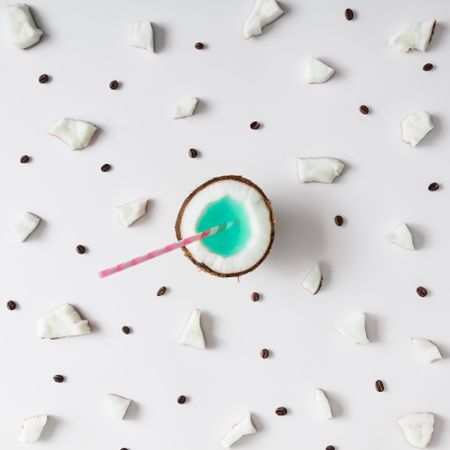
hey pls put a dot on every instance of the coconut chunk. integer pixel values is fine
(313, 281)
(22, 30)
(323, 404)
(142, 36)
(316, 71)
(116, 406)
(354, 329)
(415, 127)
(416, 37)
(24, 225)
(62, 322)
(77, 134)
(417, 428)
(132, 211)
(185, 109)
(242, 428)
(402, 237)
(428, 349)
(319, 170)
(32, 428)
(193, 334)
(263, 13)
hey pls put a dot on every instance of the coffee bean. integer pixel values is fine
(123, 448)
(349, 14)
(11, 305)
(199, 45)
(193, 153)
(264, 353)
(81, 249)
(255, 125)
(379, 386)
(126, 329)
(255, 297)
(433, 187)
(427, 67)
(181, 399)
(24, 159)
(161, 291)
(58, 378)
(44, 78)
(421, 291)
(114, 84)
(363, 109)
(281, 411)
(330, 447)
(106, 167)
(339, 221)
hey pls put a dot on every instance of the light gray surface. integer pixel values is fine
(87, 45)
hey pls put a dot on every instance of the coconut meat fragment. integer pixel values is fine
(316, 71)
(24, 225)
(242, 428)
(186, 108)
(263, 13)
(354, 329)
(429, 350)
(319, 170)
(193, 334)
(323, 404)
(142, 36)
(417, 428)
(415, 127)
(77, 134)
(20, 25)
(116, 406)
(32, 428)
(416, 37)
(132, 211)
(401, 236)
(62, 322)
(313, 281)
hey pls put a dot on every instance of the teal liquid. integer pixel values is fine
(230, 241)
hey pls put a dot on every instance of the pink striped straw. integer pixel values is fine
(168, 248)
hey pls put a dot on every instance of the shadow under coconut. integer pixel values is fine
(133, 411)
(208, 330)
(49, 429)
(159, 37)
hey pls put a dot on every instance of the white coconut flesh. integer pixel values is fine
(417, 428)
(241, 247)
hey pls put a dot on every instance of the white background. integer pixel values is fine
(87, 44)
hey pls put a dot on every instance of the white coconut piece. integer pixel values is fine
(32, 428)
(242, 428)
(429, 350)
(417, 428)
(416, 37)
(20, 25)
(415, 127)
(354, 329)
(263, 13)
(116, 405)
(77, 134)
(142, 36)
(402, 237)
(323, 404)
(319, 170)
(185, 108)
(193, 334)
(62, 322)
(132, 211)
(24, 225)
(316, 71)
(313, 281)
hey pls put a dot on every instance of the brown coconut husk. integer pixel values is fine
(203, 266)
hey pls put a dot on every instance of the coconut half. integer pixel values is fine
(417, 428)
(239, 249)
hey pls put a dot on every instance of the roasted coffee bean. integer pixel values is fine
(349, 14)
(11, 305)
(106, 167)
(421, 291)
(281, 411)
(339, 221)
(193, 153)
(114, 84)
(24, 159)
(81, 249)
(199, 45)
(427, 67)
(123, 448)
(44, 78)
(58, 378)
(255, 297)
(264, 353)
(255, 125)
(126, 329)
(433, 187)
(181, 399)
(379, 386)
(363, 109)
(330, 447)
(161, 291)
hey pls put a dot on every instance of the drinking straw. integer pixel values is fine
(162, 251)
